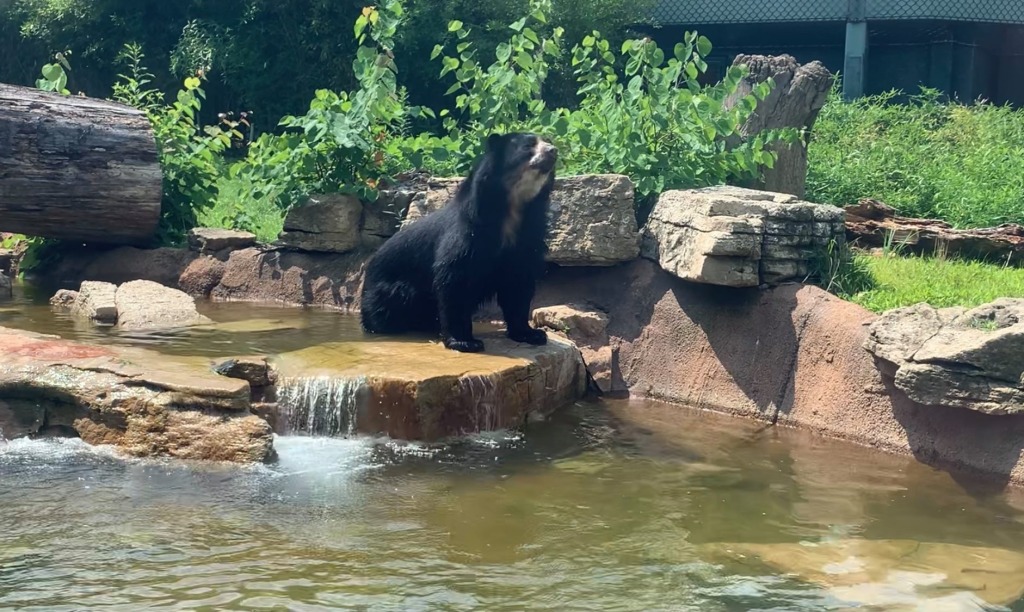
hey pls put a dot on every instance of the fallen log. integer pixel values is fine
(76, 168)
(873, 224)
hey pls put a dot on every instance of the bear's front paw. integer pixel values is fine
(529, 335)
(464, 346)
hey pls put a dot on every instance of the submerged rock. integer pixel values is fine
(416, 390)
(149, 405)
(738, 237)
(64, 298)
(971, 359)
(145, 305)
(95, 300)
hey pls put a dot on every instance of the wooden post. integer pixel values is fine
(77, 168)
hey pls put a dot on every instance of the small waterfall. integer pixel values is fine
(481, 393)
(320, 405)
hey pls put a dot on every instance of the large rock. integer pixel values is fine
(144, 403)
(327, 223)
(738, 237)
(591, 222)
(5, 284)
(972, 359)
(420, 390)
(96, 301)
(211, 240)
(143, 305)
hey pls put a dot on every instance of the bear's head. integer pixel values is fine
(525, 162)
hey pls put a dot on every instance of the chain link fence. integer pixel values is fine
(697, 12)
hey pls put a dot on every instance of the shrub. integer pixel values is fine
(927, 158)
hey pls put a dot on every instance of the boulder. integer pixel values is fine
(96, 301)
(211, 240)
(144, 305)
(146, 404)
(421, 390)
(591, 222)
(738, 237)
(970, 359)
(162, 265)
(5, 284)
(326, 223)
(587, 328)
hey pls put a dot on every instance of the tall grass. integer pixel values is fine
(927, 158)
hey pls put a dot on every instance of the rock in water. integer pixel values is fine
(96, 301)
(145, 305)
(147, 404)
(420, 390)
(972, 359)
(64, 298)
(738, 237)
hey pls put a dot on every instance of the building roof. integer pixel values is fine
(696, 12)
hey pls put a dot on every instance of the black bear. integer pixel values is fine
(488, 241)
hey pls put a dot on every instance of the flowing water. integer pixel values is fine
(610, 506)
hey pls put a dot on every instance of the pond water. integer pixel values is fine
(610, 506)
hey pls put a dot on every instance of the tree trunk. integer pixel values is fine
(76, 168)
(800, 93)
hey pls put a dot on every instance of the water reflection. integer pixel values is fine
(624, 506)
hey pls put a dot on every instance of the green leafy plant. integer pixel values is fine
(55, 76)
(640, 113)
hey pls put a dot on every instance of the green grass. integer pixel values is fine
(960, 163)
(904, 281)
(233, 210)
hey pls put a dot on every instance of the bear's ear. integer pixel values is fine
(493, 142)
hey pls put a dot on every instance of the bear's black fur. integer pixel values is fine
(488, 241)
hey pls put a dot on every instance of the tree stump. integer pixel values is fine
(77, 168)
(800, 93)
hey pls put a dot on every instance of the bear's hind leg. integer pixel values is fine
(515, 294)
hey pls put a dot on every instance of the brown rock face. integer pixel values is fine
(133, 399)
(292, 278)
(791, 355)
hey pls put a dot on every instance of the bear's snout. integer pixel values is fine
(544, 157)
